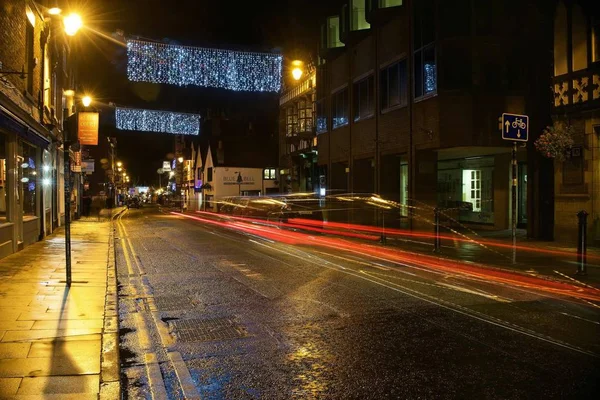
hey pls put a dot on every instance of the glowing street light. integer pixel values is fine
(119, 164)
(54, 11)
(297, 71)
(86, 101)
(180, 159)
(72, 24)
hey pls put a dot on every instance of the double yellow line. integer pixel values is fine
(157, 386)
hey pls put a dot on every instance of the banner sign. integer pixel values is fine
(87, 128)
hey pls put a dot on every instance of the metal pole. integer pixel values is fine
(436, 230)
(383, 239)
(181, 188)
(582, 243)
(67, 165)
(514, 202)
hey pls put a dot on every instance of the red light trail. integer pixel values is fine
(392, 255)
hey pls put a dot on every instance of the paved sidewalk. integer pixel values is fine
(55, 342)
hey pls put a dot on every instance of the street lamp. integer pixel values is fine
(119, 164)
(86, 101)
(297, 71)
(72, 24)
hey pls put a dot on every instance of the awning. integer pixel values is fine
(13, 123)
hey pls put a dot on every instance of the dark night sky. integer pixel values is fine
(261, 25)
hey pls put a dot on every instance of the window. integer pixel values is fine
(209, 176)
(28, 176)
(29, 50)
(340, 108)
(291, 121)
(465, 187)
(389, 3)
(363, 98)
(424, 56)
(357, 19)
(579, 38)
(393, 85)
(560, 40)
(595, 39)
(305, 116)
(269, 174)
(321, 116)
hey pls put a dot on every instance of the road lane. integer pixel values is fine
(257, 318)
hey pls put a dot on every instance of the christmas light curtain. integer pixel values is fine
(132, 119)
(198, 66)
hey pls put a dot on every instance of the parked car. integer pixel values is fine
(134, 202)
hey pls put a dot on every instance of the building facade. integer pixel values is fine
(297, 134)
(576, 88)
(408, 97)
(36, 83)
(221, 180)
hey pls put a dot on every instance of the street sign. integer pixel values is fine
(87, 166)
(515, 127)
(166, 166)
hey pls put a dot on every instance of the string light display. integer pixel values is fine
(131, 119)
(183, 65)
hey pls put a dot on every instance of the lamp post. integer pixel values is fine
(72, 23)
(180, 159)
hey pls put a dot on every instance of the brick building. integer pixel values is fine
(408, 98)
(34, 79)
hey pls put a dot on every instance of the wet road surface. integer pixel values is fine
(222, 311)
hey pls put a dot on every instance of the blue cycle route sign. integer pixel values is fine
(515, 127)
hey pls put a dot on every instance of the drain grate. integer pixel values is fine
(204, 330)
(173, 303)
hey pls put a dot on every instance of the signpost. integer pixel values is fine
(515, 128)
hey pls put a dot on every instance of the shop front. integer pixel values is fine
(21, 179)
(476, 190)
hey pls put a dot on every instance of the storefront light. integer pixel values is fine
(46, 168)
(46, 181)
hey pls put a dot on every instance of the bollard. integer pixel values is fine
(582, 242)
(436, 230)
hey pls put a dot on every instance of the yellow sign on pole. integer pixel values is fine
(87, 128)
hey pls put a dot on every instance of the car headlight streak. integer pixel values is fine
(131, 119)
(206, 67)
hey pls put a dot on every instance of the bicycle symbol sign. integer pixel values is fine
(515, 127)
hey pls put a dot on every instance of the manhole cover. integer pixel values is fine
(173, 303)
(204, 330)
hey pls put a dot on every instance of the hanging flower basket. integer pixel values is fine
(556, 141)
